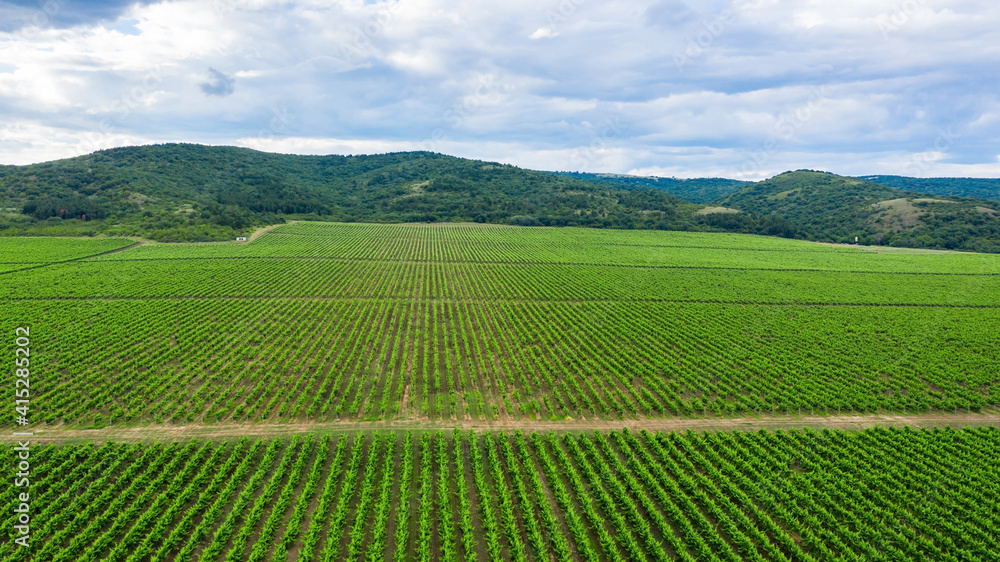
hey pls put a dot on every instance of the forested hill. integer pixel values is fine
(826, 207)
(192, 192)
(983, 188)
(714, 190)
(695, 190)
(187, 192)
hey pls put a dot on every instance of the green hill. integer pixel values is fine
(983, 188)
(177, 192)
(695, 190)
(187, 192)
(826, 207)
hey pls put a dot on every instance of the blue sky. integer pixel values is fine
(740, 88)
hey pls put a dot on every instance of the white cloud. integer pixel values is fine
(390, 75)
(26, 142)
(543, 32)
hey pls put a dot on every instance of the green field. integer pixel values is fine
(801, 495)
(319, 321)
(33, 251)
(319, 332)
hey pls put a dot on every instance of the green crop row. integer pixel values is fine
(38, 250)
(153, 361)
(497, 244)
(894, 494)
(417, 322)
(347, 279)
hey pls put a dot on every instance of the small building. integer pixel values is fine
(241, 238)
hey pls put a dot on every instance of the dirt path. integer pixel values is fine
(267, 229)
(58, 434)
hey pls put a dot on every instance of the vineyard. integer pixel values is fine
(323, 322)
(431, 327)
(880, 494)
(25, 252)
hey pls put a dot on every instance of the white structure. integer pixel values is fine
(241, 238)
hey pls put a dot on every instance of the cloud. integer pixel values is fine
(530, 82)
(543, 32)
(218, 84)
(669, 13)
(18, 14)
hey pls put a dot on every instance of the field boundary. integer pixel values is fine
(37, 265)
(70, 434)
(544, 264)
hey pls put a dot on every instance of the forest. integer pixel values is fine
(187, 192)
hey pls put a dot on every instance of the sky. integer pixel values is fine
(741, 89)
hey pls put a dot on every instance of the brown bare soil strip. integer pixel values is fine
(70, 434)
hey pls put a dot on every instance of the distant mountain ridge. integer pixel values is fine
(188, 192)
(713, 190)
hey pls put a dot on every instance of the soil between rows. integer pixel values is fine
(61, 434)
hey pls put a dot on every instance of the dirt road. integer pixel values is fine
(267, 229)
(69, 434)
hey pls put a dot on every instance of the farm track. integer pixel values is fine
(257, 233)
(63, 434)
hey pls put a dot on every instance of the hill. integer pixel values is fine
(983, 188)
(187, 192)
(711, 190)
(176, 192)
(826, 207)
(695, 190)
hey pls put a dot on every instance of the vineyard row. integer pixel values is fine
(801, 495)
(153, 361)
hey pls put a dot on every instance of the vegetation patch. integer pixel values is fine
(717, 210)
(899, 214)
